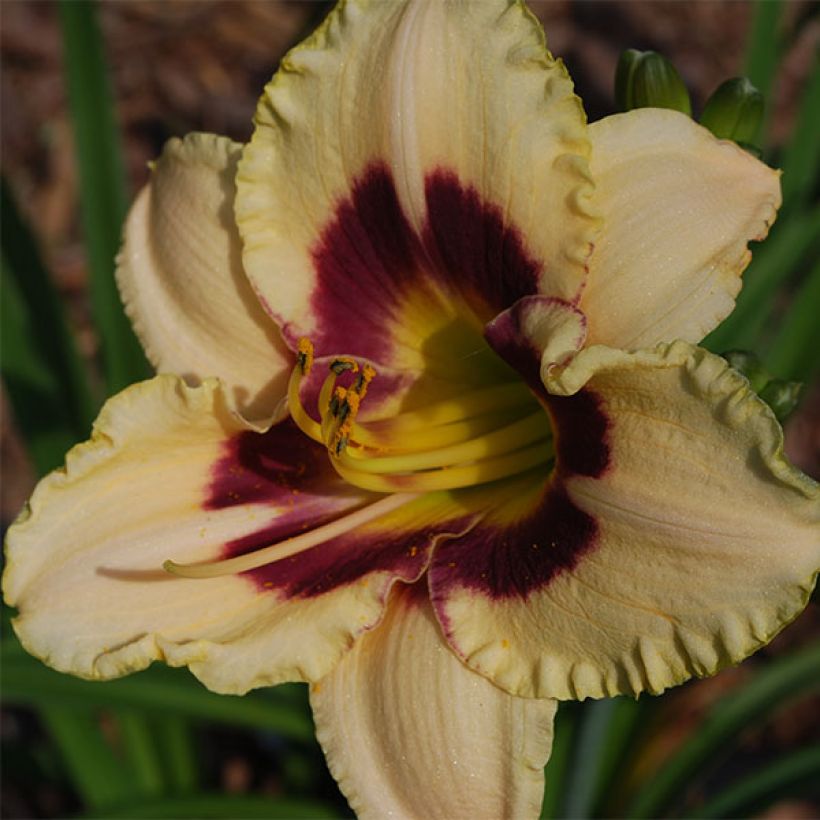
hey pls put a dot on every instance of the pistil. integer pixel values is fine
(291, 546)
(476, 438)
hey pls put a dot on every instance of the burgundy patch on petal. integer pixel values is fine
(506, 337)
(364, 260)
(472, 247)
(580, 424)
(342, 561)
(292, 473)
(369, 257)
(286, 470)
(514, 560)
(581, 430)
(274, 467)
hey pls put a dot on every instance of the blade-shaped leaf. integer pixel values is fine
(794, 353)
(801, 159)
(45, 376)
(783, 679)
(222, 806)
(102, 186)
(795, 774)
(159, 690)
(98, 776)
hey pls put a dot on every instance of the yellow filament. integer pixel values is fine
(298, 413)
(291, 546)
(450, 478)
(504, 440)
(440, 436)
(465, 406)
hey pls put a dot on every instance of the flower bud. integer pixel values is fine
(646, 79)
(782, 397)
(734, 111)
(749, 365)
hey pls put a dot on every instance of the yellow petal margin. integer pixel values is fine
(680, 208)
(410, 732)
(415, 87)
(181, 277)
(84, 559)
(707, 541)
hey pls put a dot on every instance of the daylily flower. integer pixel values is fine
(441, 443)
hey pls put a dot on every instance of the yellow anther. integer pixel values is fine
(342, 363)
(363, 380)
(337, 400)
(339, 437)
(353, 402)
(304, 355)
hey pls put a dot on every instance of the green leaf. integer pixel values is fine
(44, 375)
(775, 261)
(793, 355)
(177, 751)
(141, 754)
(801, 159)
(557, 769)
(158, 690)
(96, 774)
(783, 679)
(584, 772)
(619, 741)
(102, 186)
(793, 775)
(604, 737)
(219, 806)
(764, 46)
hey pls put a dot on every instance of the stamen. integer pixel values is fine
(504, 440)
(438, 436)
(336, 368)
(304, 355)
(304, 363)
(465, 406)
(291, 546)
(340, 435)
(451, 478)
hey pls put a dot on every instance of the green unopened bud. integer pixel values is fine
(646, 79)
(782, 397)
(734, 111)
(749, 365)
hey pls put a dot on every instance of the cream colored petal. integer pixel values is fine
(171, 473)
(434, 134)
(410, 732)
(673, 539)
(680, 208)
(181, 277)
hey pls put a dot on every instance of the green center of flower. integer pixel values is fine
(480, 436)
